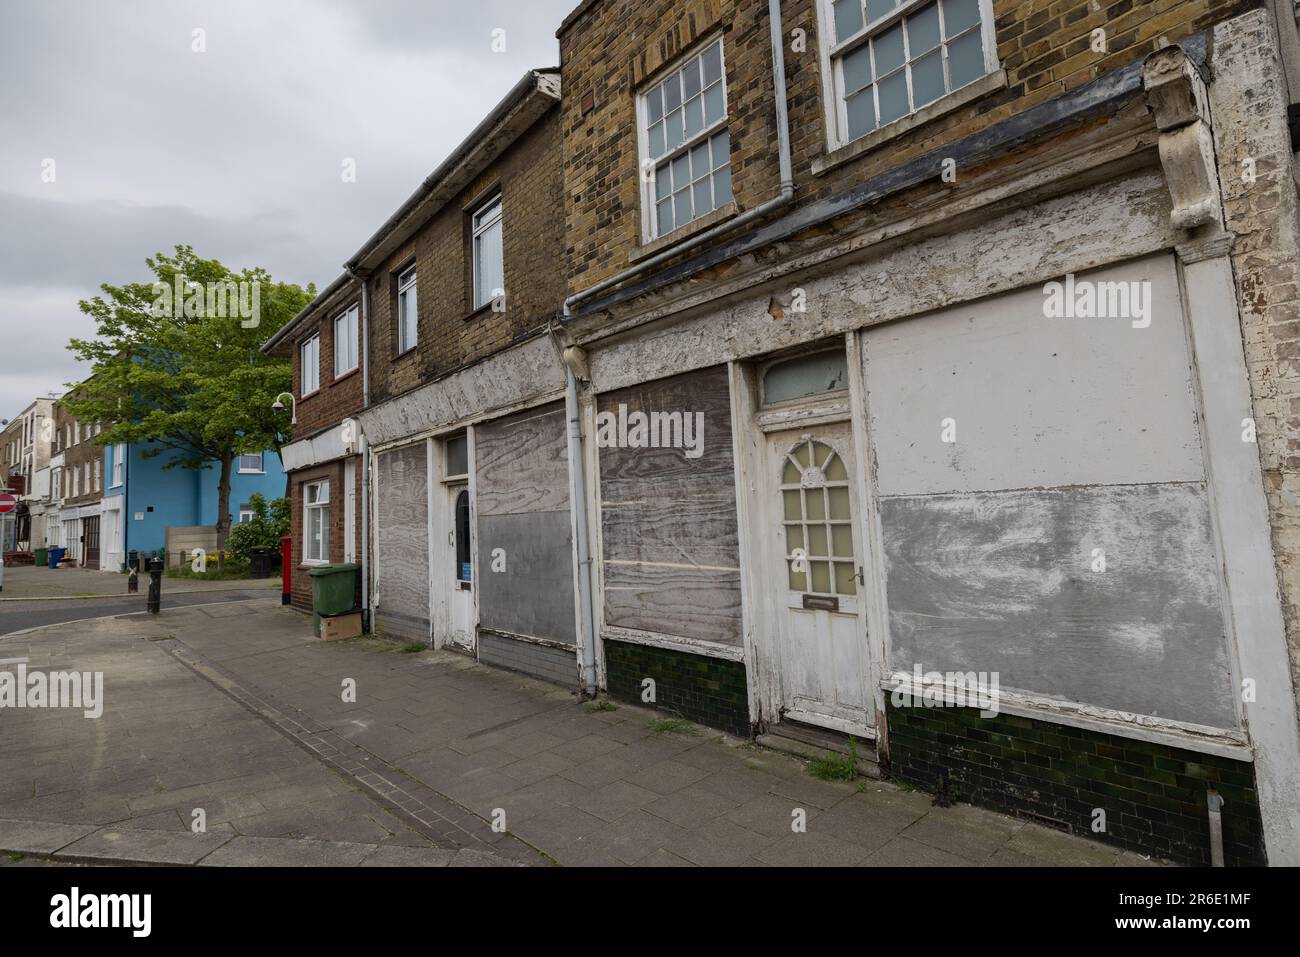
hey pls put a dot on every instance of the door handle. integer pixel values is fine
(451, 538)
(862, 579)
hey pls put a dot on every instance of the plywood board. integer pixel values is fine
(524, 538)
(403, 548)
(1035, 401)
(670, 554)
(1005, 582)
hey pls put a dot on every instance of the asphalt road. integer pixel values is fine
(21, 615)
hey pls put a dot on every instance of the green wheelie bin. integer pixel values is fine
(333, 590)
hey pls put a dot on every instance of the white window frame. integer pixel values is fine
(477, 229)
(309, 359)
(98, 487)
(119, 465)
(245, 515)
(307, 508)
(646, 166)
(350, 358)
(832, 60)
(406, 286)
(261, 463)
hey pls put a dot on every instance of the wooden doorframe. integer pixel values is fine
(760, 603)
(875, 617)
(441, 525)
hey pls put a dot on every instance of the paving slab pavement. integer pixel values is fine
(477, 747)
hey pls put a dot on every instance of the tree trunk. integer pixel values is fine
(223, 501)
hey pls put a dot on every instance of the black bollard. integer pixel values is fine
(132, 582)
(154, 604)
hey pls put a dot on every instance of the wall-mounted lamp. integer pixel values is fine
(278, 406)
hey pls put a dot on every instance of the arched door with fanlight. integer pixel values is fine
(815, 539)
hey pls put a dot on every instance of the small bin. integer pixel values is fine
(333, 590)
(56, 556)
(42, 556)
(261, 561)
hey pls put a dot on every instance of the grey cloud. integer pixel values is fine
(236, 152)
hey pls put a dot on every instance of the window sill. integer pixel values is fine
(407, 352)
(693, 228)
(340, 376)
(479, 312)
(307, 395)
(997, 80)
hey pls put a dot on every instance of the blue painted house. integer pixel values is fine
(143, 498)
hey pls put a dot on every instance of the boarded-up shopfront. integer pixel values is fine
(670, 565)
(1059, 534)
(527, 611)
(402, 536)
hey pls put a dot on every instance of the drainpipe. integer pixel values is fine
(365, 534)
(364, 447)
(787, 179)
(580, 507)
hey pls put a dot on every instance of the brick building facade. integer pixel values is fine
(76, 488)
(834, 357)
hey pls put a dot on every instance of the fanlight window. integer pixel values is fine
(818, 524)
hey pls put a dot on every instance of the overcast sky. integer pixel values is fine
(237, 150)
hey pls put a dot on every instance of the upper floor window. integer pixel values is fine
(251, 462)
(407, 317)
(310, 352)
(685, 148)
(889, 58)
(489, 254)
(119, 464)
(346, 342)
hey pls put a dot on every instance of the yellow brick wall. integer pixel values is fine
(612, 49)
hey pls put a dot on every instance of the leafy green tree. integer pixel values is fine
(269, 524)
(177, 362)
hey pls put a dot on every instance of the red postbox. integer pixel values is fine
(286, 569)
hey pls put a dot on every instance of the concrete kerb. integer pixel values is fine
(119, 846)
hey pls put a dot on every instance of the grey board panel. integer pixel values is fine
(534, 594)
(1003, 581)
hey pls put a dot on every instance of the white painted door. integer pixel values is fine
(823, 660)
(461, 567)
